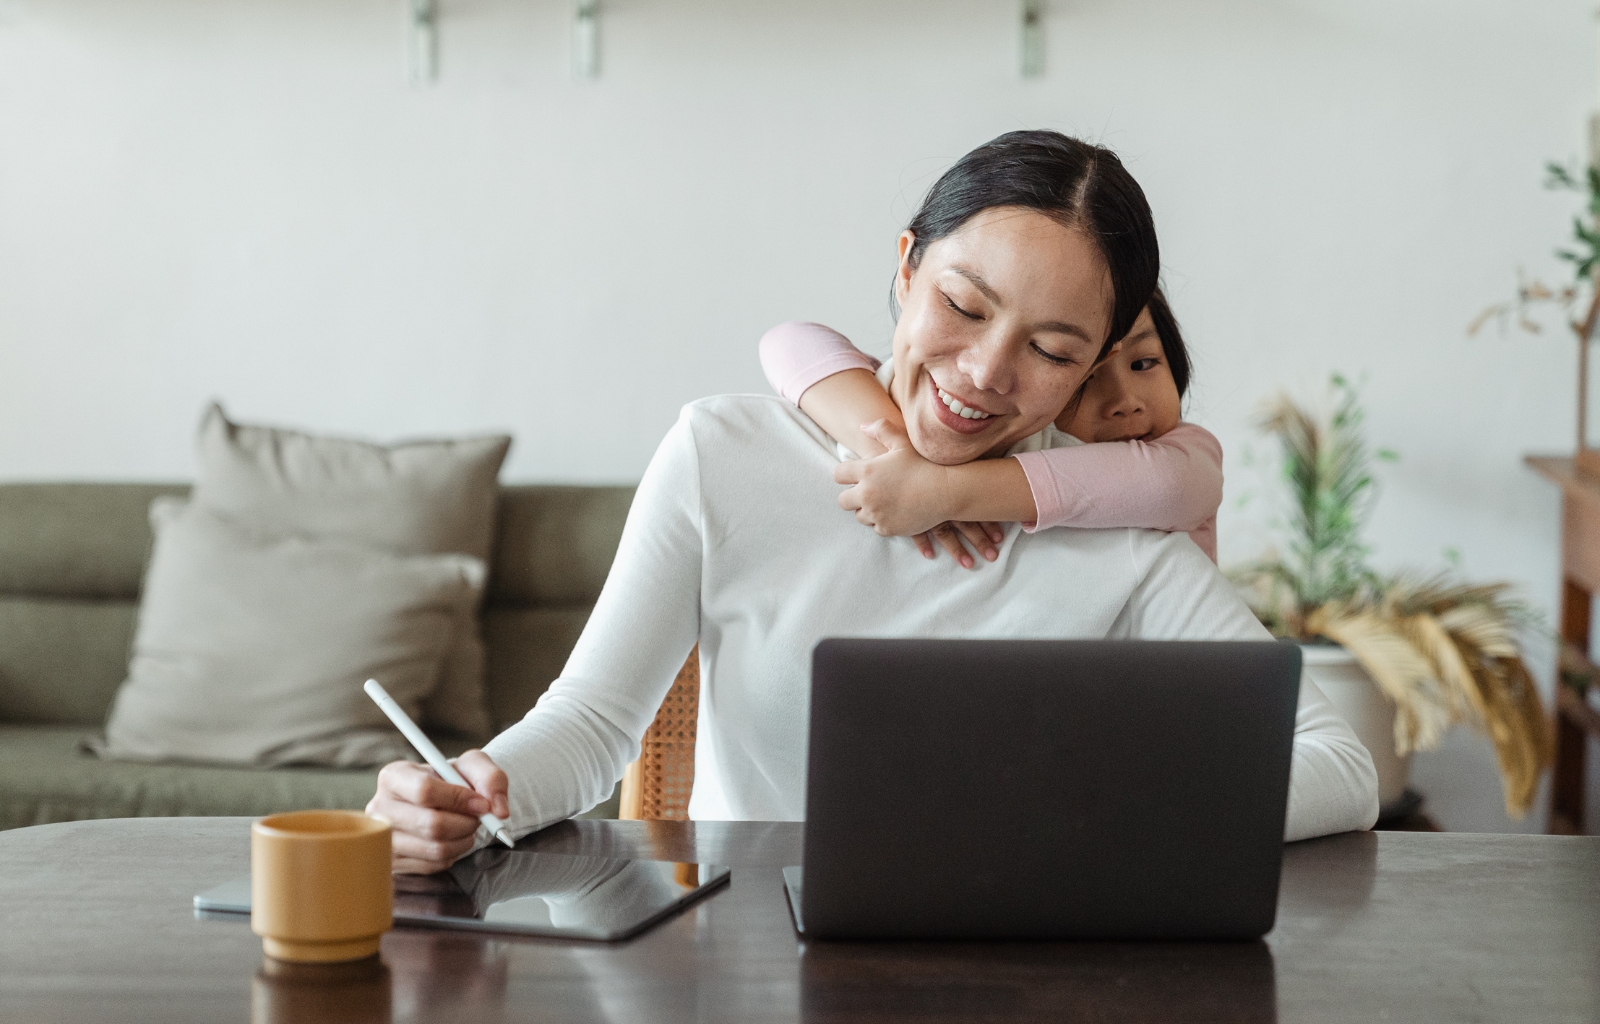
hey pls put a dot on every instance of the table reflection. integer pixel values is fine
(439, 973)
(349, 993)
(1171, 982)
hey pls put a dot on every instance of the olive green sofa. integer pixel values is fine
(71, 560)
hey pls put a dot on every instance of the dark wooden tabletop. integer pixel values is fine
(96, 925)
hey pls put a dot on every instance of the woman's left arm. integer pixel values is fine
(1180, 595)
(567, 754)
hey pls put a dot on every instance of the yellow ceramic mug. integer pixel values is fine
(320, 889)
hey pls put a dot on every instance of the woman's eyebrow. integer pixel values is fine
(1060, 327)
(978, 282)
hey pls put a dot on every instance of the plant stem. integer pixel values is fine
(1585, 331)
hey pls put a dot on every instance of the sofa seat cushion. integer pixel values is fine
(45, 777)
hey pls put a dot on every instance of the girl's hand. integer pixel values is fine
(983, 537)
(897, 493)
(901, 494)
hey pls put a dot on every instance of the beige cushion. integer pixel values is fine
(251, 648)
(414, 498)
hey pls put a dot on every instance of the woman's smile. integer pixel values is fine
(958, 415)
(966, 412)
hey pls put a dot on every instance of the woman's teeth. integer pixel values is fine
(960, 410)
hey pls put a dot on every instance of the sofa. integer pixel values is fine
(72, 556)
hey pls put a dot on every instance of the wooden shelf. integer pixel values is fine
(1566, 472)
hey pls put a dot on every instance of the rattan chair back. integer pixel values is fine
(656, 787)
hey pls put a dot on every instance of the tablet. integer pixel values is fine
(525, 893)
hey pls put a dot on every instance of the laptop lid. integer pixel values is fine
(1047, 788)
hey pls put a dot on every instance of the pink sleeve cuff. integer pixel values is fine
(1171, 483)
(1047, 507)
(796, 355)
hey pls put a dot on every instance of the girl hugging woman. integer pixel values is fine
(1139, 464)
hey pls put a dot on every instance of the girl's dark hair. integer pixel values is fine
(1172, 345)
(1078, 184)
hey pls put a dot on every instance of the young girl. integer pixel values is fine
(1140, 466)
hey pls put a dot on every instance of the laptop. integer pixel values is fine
(1045, 789)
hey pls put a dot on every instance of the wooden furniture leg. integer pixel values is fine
(1566, 781)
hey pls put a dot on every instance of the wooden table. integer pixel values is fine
(1580, 581)
(96, 925)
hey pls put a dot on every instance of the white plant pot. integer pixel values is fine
(1357, 698)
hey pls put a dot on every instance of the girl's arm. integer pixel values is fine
(905, 494)
(1171, 483)
(830, 380)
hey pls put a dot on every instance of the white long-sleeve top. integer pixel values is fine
(735, 540)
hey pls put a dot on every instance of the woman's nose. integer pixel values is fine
(988, 365)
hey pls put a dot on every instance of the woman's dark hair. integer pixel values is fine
(1080, 185)
(1172, 345)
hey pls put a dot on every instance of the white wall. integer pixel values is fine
(243, 199)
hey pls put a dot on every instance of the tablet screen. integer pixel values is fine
(554, 894)
(528, 893)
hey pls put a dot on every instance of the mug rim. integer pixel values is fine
(345, 824)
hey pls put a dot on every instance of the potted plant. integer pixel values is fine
(1402, 657)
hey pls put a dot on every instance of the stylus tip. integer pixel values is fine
(505, 837)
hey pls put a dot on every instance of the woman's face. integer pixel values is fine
(1129, 397)
(1002, 319)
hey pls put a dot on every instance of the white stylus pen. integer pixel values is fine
(430, 753)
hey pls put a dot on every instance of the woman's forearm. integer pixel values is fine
(840, 404)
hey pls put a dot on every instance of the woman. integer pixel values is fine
(1027, 261)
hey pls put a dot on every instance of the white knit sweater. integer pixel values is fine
(735, 540)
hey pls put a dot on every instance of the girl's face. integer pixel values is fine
(1130, 396)
(1000, 323)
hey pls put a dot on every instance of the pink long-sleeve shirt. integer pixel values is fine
(1172, 483)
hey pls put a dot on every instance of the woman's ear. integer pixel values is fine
(902, 276)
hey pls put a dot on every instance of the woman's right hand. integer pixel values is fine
(435, 823)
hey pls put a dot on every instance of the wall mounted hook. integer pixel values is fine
(586, 39)
(1032, 38)
(424, 41)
